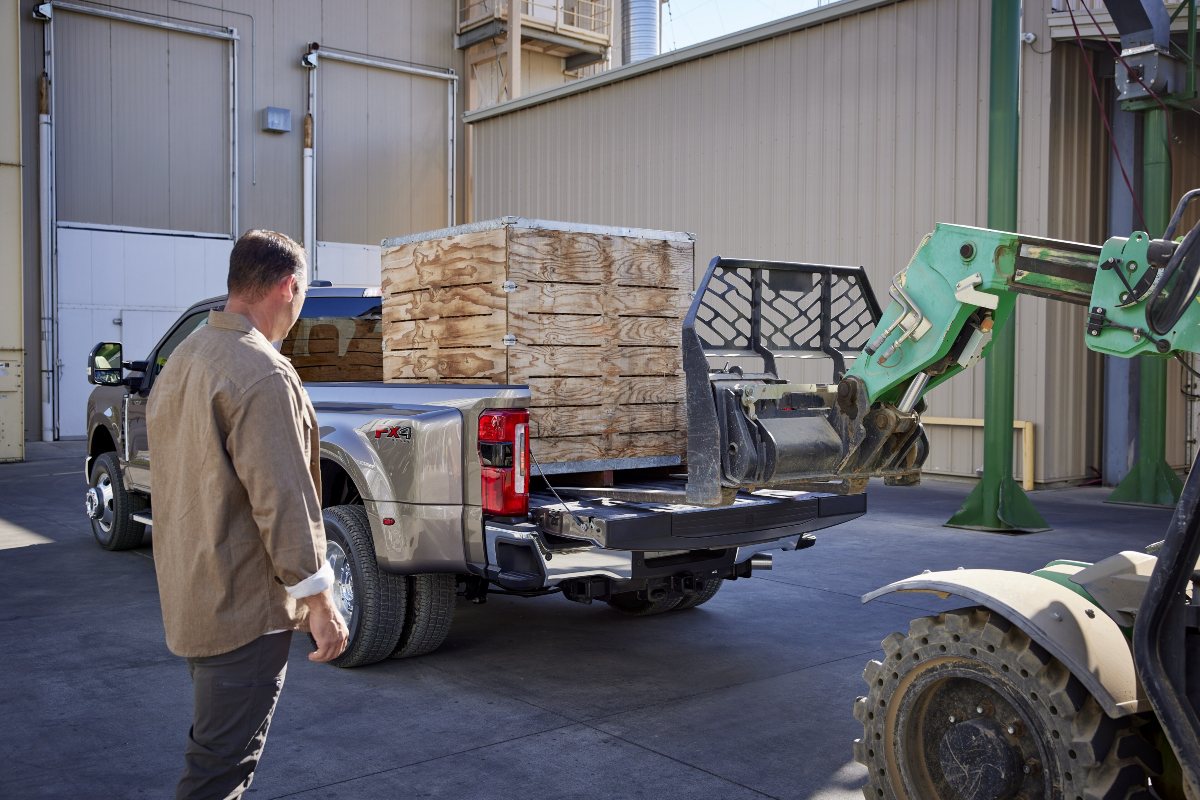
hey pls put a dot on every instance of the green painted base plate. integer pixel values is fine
(1148, 484)
(1008, 511)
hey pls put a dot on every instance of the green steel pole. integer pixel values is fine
(998, 503)
(1151, 482)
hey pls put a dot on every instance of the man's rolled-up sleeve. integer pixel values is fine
(267, 444)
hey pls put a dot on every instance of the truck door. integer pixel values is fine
(137, 448)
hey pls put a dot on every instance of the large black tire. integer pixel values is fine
(430, 614)
(967, 707)
(371, 601)
(637, 604)
(706, 591)
(114, 527)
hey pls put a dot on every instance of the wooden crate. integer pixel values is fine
(588, 317)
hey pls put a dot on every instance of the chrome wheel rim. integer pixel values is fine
(343, 582)
(99, 502)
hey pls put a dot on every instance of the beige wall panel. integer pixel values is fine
(178, 135)
(1070, 445)
(84, 129)
(841, 143)
(142, 126)
(12, 411)
(540, 71)
(385, 175)
(10, 255)
(272, 40)
(197, 141)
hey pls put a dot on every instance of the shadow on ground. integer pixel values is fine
(748, 696)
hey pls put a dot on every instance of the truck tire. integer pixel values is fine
(370, 600)
(430, 613)
(111, 508)
(637, 604)
(967, 707)
(707, 591)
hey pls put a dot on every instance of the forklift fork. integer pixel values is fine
(749, 426)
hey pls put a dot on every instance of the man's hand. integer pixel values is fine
(327, 627)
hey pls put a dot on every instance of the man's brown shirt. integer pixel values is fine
(235, 477)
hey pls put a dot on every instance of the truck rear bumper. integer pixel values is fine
(617, 541)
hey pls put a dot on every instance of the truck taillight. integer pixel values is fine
(504, 461)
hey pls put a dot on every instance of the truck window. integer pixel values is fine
(337, 339)
(185, 328)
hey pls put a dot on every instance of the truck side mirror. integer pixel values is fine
(104, 364)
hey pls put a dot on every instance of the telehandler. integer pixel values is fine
(1077, 681)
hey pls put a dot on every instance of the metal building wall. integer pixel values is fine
(142, 138)
(838, 142)
(12, 428)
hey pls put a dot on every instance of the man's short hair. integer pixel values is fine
(260, 259)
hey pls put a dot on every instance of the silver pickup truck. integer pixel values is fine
(428, 494)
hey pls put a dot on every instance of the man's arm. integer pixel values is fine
(326, 626)
(324, 621)
(267, 444)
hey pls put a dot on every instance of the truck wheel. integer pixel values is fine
(967, 707)
(430, 614)
(637, 604)
(111, 508)
(707, 591)
(370, 600)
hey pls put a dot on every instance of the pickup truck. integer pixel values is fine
(428, 494)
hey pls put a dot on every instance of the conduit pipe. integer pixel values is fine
(46, 247)
(311, 60)
(309, 192)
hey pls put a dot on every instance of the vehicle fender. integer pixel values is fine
(1076, 632)
(424, 537)
(360, 462)
(104, 411)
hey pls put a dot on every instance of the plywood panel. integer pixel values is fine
(538, 255)
(590, 321)
(602, 447)
(542, 361)
(470, 258)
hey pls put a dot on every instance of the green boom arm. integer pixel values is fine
(962, 283)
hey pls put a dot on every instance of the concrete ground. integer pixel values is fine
(748, 696)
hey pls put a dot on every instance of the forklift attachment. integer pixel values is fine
(749, 427)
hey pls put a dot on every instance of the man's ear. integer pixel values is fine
(287, 287)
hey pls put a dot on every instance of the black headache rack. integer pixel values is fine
(748, 426)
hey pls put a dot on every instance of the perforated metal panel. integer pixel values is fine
(771, 309)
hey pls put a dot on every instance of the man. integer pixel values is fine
(239, 545)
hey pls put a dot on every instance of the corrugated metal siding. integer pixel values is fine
(841, 143)
(150, 108)
(1069, 446)
(142, 133)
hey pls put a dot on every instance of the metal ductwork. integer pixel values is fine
(639, 30)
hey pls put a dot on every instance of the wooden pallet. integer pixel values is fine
(589, 318)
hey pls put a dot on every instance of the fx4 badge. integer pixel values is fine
(397, 432)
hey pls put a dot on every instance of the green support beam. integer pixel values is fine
(1151, 482)
(998, 503)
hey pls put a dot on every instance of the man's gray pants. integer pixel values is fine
(235, 696)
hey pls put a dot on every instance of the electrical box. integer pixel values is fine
(12, 407)
(276, 120)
